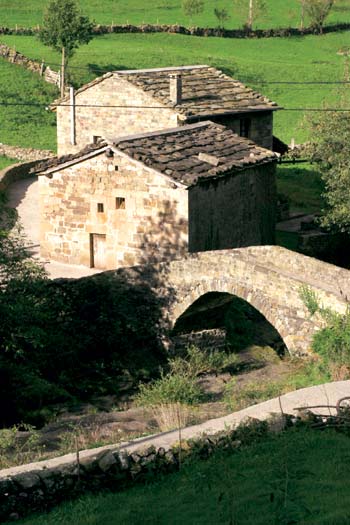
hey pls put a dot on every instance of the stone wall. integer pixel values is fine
(237, 210)
(148, 114)
(25, 154)
(261, 126)
(279, 32)
(15, 57)
(16, 172)
(40, 486)
(149, 225)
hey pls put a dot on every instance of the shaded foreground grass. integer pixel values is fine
(302, 184)
(29, 13)
(300, 476)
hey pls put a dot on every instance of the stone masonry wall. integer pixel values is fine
(151, 227)
(235, 211)
(111, 121)
(261, 126)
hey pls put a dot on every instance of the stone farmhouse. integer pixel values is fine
(122, 103)
(158, 194)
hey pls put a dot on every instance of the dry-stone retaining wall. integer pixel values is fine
(17, 172)
(50, 76)
(25, 154)
(39, 486)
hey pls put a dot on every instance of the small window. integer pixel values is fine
(96, 139)
(100, 207)
(244, 127)
(120, 203)
(116, 168)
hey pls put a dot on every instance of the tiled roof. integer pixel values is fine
(70, 158)
(206, 90)
(187, 154)
(194, 152)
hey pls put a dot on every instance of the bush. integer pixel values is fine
(332, 343)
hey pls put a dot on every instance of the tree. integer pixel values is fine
(250, 8)
(222, 16)
(317, 11)
(65, 29)
(192, 7)
(331, 150)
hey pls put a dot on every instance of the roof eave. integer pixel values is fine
(69, 163)
(229, 112)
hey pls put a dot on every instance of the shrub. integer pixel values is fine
(332, 343)
(198, 362)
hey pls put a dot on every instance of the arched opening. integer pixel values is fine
(220, 320)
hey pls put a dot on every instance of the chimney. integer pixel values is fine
(175, 88)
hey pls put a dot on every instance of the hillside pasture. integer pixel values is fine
(25, 125)
(29, 13)
(255, 62)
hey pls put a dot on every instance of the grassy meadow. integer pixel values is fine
(299, 476)
(279, 12)
(256, 62)
(5, 161)
(22, 125)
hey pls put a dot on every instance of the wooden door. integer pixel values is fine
(98, 250)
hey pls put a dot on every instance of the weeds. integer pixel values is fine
(18, 445)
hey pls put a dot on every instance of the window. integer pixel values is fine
(120, 203)
(96, 138)
(244, 127)
(100, 207)
(116, 168)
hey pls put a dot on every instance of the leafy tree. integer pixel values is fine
(317, 11)
(65, 29)
(331, 150)
(192, 7)
(222, 16)
(252, 9)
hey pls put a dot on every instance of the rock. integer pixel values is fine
(107, 461)
(123, 460)
(28, 480)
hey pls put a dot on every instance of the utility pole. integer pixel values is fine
(302, 14)
(63, 71)
(250, 16)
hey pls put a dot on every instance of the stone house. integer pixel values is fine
(122, 103)
(151, 196)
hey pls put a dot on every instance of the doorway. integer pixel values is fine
(97, 250)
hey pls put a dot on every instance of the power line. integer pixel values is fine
(38, 105)
(260, 82)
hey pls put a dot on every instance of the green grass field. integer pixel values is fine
(296, 477)
(29, 12)
(26, 126)
(5, 161)
(311, 58)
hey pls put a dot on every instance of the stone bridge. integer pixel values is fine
(267, 277)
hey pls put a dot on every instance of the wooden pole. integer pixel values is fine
(63, 67)
(250, 16)
(72, 115)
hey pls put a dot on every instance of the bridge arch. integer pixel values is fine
(228, 291)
